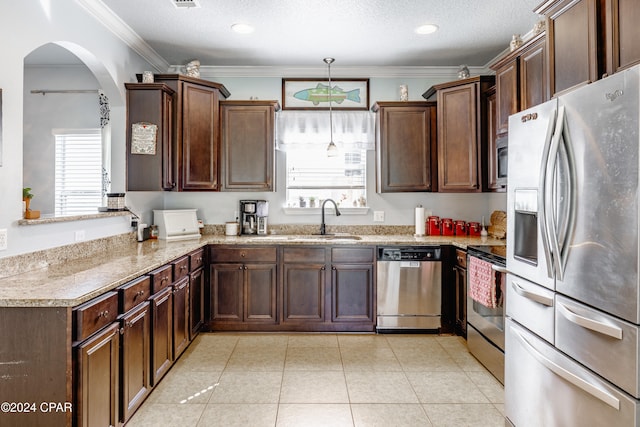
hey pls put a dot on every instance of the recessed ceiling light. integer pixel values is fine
(426, 29)
(242, 28)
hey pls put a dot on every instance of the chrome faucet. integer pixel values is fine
(323, 230)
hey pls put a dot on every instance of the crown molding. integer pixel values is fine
(117, 26)
(210, 71)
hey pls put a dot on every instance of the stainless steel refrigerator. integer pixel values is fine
(573, 290)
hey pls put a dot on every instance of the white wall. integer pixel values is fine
(25, 26)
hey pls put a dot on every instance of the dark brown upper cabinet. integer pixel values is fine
(248, 145)
(405, 146)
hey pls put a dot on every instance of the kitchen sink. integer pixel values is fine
(306, 237)
(335, 237)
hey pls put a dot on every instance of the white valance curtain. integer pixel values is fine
(302, 129)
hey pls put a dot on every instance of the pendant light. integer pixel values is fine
(332, 149)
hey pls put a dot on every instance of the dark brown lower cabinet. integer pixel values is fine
(352, 293)
(460, 272)
(96, 378)
(304, 292)
(181, 325)
(226, 292)
(244, 292)
(196, 301)
(135, 380)
(260, 286)
(161, 333)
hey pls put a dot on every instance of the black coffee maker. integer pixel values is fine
(253, 216)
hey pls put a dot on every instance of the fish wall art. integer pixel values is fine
(315, 94)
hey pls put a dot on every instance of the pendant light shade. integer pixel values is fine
(332, 149)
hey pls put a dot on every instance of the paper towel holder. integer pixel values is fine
(420, 221)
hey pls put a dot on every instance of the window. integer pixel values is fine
(78, 172)
(313, 177)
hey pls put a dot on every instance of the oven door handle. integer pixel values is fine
(499, 268)
(540, 299)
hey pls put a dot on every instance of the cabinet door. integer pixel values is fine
(260, 292)
(461, 300)
(135, 359)
(352, 293)
(405, 153)
(572, 40)
(180, 316)
(533, 76)
(199, 156)
(492, 152)
(96, 373)
(247, 146)
(507, 87)
(227, 282)
(623, 37)
(196, 305)
(458, 139)
(150, 103)
(162, 334)
(304, 292)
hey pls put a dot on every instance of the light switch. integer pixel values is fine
(378, 216)
(3, 239)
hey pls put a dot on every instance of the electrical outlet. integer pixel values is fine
(378, 216)
(80, 235)
(3, 239)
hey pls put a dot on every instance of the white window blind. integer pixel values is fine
(313, 177)
(78, 173)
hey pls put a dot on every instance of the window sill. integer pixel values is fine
(316, 211)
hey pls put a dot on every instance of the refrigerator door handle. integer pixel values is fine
(583, 384)
(591, 324)
(542, 207)
(549, 192)
(540, 299)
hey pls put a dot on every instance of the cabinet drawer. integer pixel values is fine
(180, 268)
(347, 255)
(218, 254)
(196, 260)
(461, 258)
(94, 315)
(133, 293)
(591, 337)
(306, 255)
(531, 305)
(161, 278)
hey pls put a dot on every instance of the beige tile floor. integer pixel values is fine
(324, 380)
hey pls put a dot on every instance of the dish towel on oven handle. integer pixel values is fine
(482, 287)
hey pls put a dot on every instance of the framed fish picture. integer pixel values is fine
(313, 94)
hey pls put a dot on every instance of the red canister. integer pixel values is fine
(446, 227)
(460, 227)
(474, 228)
(433, 226)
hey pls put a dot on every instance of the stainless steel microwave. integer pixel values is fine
(502, 146)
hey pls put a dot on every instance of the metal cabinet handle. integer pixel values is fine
(104, 313)
(323, 268)
(183, 267)
(540, 299)
(583, 384)
(591, 324)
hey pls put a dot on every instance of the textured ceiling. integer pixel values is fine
(355, 32)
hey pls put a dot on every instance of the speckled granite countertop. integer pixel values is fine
(72, 282)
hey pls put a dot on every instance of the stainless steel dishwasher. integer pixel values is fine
(409, 285)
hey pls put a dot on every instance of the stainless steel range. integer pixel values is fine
(485, 306)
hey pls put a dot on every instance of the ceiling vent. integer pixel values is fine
(179, 4)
